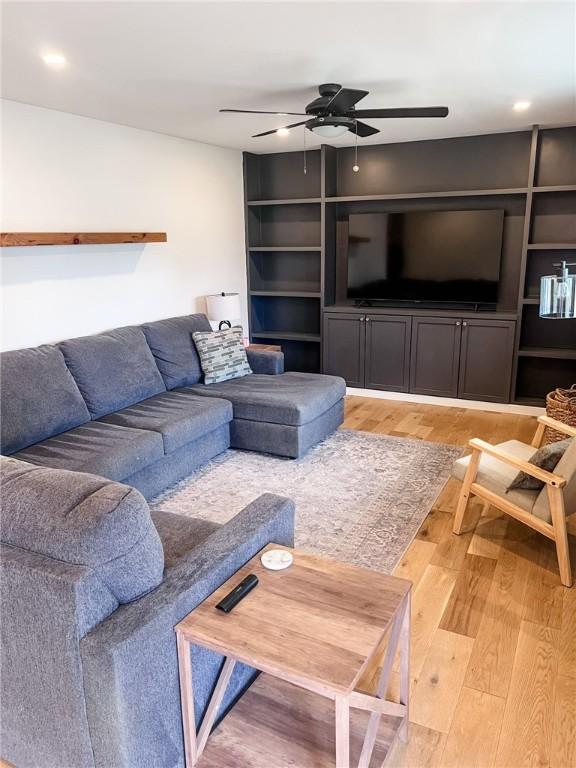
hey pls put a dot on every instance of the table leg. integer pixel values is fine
(342, 732)
(187, 700)
(405, 668)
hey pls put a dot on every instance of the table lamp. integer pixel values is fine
(223, 308)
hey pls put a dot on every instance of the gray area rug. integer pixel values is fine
(359, 497)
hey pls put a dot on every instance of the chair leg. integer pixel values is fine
(464, 498)
(556, 502)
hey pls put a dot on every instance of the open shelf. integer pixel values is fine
(557, 188)
(429, 195)
(537, 376)
(25, 239)
(295, 201)
(551, 246)
(560, 354)
(287, 336)
(301, 353)
(284, 226)
(286, 248)
(289, 294)
(544, 335)
(554, 219)
(285, 314)
(556, 157)
(280, 177)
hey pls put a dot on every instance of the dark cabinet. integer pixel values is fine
(441, 356)
(435, 356)
(486, 360)
(344, 347)
(387, 352)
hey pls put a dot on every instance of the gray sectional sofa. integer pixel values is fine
(130, 405)
(91, 583)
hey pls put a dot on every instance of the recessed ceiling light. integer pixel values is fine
(282, 131)
(54, 59)
(522, 106)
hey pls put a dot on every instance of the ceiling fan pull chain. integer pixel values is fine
(356, 167)
(305, 168)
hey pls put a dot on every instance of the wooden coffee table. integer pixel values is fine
(315, 625)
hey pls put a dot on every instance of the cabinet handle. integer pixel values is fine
(367, 319)
(457, 322)
(362, 319)
(464, 324)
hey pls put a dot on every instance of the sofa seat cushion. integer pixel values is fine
(112, 369)
(83, 520)
(101, 449)
(180, 535)
(174, 350)
(179, 417)
(39, 397)
(289, 398)
(496, 475)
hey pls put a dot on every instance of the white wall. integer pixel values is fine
(63, 173)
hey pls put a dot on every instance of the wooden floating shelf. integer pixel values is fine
(285, 248)
(549, 352)
(552, 246)
(24, 239)
(424, 195)
(280, 335)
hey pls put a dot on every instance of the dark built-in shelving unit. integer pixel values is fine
(296, 236)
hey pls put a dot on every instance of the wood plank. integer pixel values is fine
(415, 561)
(526, 734)
(563, 753)
(423, 749)
(567, 663)
(24, 239)
(492, 660)
(466, 606)
(436, 689)
(475, 730)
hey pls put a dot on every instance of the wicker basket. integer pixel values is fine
(560, 405)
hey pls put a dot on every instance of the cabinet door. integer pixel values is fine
(343, 347)
(388, 352)
(486, 360)
(435, 355)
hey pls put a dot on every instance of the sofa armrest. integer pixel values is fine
(130, 661)
(265, 362)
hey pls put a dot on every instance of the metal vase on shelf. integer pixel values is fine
(558, 294)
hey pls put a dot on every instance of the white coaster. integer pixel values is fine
(277, 559)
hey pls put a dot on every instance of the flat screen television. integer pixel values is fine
(425, 256)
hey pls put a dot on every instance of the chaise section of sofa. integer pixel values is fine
(91, 587)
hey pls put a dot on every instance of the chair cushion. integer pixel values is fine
(179, 417)
(289, 398)
(222, 355)
(180, 534)
(496, 475)
(39, 397)
(83, 520)
(174, 350)
(101, 449)
(112, 369)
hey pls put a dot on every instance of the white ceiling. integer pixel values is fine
(169, 66)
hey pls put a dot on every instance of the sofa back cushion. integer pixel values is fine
(113, 369)
(39, 399)
(174, 350)
(82, 519)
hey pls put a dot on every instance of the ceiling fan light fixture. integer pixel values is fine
(329, 131)
(283, 132)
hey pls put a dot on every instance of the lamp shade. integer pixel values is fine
(223, 306)
(558, 295)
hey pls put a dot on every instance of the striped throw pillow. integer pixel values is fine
(222, 355)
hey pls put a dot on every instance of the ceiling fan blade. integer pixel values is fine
(401, 112)
(259, 112)
(345, 100)
(267, 133)
(363, 130)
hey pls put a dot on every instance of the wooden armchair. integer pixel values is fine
(489, 469)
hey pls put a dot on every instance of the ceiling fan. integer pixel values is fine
(333, 113)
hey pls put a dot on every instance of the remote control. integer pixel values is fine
(239, 592)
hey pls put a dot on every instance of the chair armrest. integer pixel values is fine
(557, 425)
(541, 474)
(261, 361)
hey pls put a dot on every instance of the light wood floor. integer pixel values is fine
(494, 632)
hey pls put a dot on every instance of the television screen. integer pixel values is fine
(425, 256)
